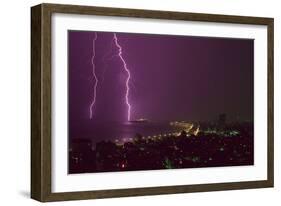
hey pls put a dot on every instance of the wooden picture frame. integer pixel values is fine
(41, 116)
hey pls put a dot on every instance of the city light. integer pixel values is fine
(193, 145)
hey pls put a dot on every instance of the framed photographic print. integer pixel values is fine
(132, 102)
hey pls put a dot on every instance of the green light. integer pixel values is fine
(168, 163)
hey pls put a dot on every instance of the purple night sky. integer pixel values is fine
(172, 77)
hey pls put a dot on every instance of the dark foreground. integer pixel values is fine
(211, 147)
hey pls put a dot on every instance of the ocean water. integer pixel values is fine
(119, 131)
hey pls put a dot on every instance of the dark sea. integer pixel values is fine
(119, 131)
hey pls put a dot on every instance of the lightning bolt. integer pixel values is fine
(95, 76)
(128, 77)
